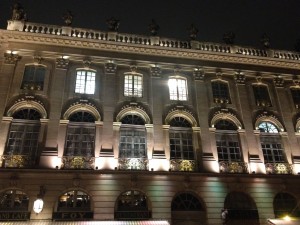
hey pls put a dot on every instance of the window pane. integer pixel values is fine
(177, 89)
(85, 82)
(133, 85)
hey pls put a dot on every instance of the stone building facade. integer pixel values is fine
(105, 126)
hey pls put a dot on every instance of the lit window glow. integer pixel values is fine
(133, 85)
(85, 82)
(178, 89)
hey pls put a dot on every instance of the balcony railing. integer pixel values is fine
(133, 164)
(233, 167)
(78, 162)
(279, 168)
(17, 161)
(183, 165)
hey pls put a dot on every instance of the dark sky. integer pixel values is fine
(248, 19)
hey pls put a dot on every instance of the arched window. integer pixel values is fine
(85, 81)
(240, 206)
(181, 139)
(187, 209)
(285, 204)
(22, 144)
(228, 146)
(33, 78)
(80, 141)
(220, 92)
(14, 200)
(271, 143)
(133, 85)
(178, 88)
(75, 200)
(132, 204)
(133, 142)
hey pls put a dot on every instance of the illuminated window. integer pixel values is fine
(133, 134)
(271, 143)
(80, 139)
(181, 139)
(133, 85)
(178, 89)
(33, 78)
(227, 141)
(14, 200)
(220, 92)
(85, 82)
(76, 200)
(296, 96)
(22, 142)
(261, 94)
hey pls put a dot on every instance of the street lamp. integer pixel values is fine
(39, 202)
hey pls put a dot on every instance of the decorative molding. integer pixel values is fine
(198, 74)
(155, 71)
(110, 67)
(149, 50)
(11, 58)
(62, 63)
(240, 78)
(278, 81)
(37, 59)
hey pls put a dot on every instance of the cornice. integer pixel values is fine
(191, 54)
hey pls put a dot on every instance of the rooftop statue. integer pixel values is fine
(18, 12)
(193, 32)
(265, 40)
(68, 18)
(113, 24)
(153, 27)
(228, 38)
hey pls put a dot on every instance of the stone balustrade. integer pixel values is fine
(146, 40)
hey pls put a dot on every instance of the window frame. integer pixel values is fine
(31, 78)
(262, 98)
(220, 91)
(133, 87)
(178, 92)
(81, 85)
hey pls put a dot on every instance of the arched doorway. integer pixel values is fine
(285, 204)
(187, 209)
(241, 209)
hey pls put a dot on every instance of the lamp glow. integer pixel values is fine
(38, 205)
(287, 218)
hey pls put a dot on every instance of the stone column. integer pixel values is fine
(56, 102)
(166, 138)
(4, 129)
(150, 144)
(7, 73)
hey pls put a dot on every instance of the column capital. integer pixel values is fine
(155, 71)
(198, 74)
(10, 58)
(62, 63)
(278, 81)
(240, 78)
(110, 67)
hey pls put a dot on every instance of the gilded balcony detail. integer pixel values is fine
(133, 164)
(16, 161)
(279, 168)
(182, 165)
(233, 167)
(78, 162)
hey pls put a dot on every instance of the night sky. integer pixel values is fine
(248, 19)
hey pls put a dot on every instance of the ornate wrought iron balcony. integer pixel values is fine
(78, 162)
(133, 164)
(183, 165)
(17, 161)
(279, 168)
(233, 167)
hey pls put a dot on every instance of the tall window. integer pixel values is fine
(132, 137)
(33, 78)
(296, 96)
(261, 94)
(181, 139)
(227, 141)
(133, 85)
(271, 143)
(80, 140)
(178, 89)
(14, 200)
(220, 92)
(22, 139)
(85, 82)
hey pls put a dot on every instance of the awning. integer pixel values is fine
(283, 222)
(144, 222)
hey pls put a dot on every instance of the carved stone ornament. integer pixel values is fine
(113, 24)
(240, 78)
(193, 32)
(62, 63)
(155, 71)
(11, 58)
(219, 75)
(153, 27)
(259, 78)
(18, 12)
(37, 59)
(133, 68)
(86, 63)
(278, 81)
(296, 81)
(110, 67)
(198, 74)
(68, 18)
